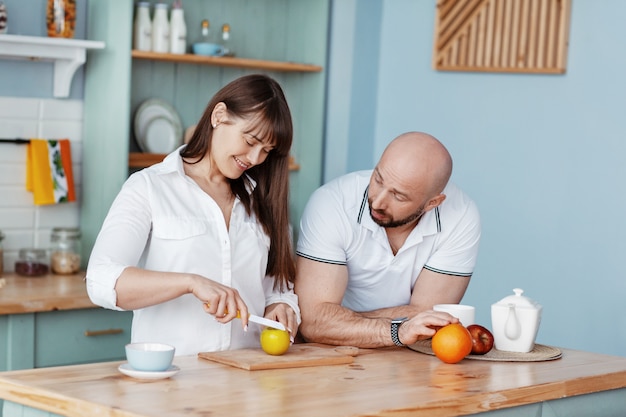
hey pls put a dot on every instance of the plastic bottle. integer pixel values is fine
(160, 29)
(142, 40)
(178, 30)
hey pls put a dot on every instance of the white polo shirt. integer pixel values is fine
(162, 221)
(337, 228)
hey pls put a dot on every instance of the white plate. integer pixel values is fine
(161, 136)
(146, 113)
(126, 369)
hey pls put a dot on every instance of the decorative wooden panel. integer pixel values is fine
(529, 36)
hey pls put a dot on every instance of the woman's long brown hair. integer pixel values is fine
(260, 98)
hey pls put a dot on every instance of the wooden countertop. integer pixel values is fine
(385, 382)
(46, 293)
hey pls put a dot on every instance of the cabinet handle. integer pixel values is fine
(89, 333)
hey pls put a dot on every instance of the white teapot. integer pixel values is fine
(515, 322)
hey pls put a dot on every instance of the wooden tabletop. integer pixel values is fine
(384, 382)
(46, 293)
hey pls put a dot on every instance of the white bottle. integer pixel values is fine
(178, 31)
(160, 29)
(142, 40)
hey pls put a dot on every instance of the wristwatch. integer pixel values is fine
(395, 326)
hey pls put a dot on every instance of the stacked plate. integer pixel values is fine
(158, 128)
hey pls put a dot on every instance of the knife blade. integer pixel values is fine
(265, 322)
(261, 320)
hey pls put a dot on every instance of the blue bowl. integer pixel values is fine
(150, 357)
(208, 49)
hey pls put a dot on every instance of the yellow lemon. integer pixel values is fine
(274, 341)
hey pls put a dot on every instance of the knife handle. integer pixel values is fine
(226, 311)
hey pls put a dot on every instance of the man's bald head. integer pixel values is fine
(419, 158)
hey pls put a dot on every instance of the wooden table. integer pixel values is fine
(385, 382)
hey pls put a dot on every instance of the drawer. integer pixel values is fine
(81, 336)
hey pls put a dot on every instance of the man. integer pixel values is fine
(377, 249)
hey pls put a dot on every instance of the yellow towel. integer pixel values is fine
(49, 171)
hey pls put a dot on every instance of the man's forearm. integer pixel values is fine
(335, 325)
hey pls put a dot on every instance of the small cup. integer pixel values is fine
(150, 357)
(466, 314)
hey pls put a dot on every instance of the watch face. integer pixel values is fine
(400, 320)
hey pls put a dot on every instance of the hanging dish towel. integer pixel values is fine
(49, 171)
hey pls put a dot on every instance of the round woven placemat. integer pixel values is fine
(538, 354)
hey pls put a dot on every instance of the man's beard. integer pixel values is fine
(397, 223)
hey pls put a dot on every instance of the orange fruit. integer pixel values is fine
(274, 341)
(452, 343)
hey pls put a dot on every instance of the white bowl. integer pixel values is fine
(150, 357)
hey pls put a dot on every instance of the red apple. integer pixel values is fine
(482, 339)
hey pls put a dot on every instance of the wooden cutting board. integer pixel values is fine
(299, 355)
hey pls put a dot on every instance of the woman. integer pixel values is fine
(206, 230)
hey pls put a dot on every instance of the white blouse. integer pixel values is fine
(162, 221)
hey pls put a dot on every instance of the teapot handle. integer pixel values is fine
(512, 328)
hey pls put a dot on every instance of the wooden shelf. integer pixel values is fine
(225, 61)
(142, 160)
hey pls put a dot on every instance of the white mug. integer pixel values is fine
(466, 314)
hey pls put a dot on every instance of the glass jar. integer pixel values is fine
(1, 254)
(61, 18)
(65, 250)
(226, 40)
(32, 262)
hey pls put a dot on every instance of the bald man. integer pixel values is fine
(377, 249)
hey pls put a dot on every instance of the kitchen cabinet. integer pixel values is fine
(286, 39)
(37, 340)
(50, 321)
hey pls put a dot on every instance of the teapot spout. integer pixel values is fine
(512, 327)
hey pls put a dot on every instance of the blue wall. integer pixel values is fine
(28, 18)
(542, 155)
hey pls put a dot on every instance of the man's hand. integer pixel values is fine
(424, 326)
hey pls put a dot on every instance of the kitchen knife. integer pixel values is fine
(265, 322)
(262, 320)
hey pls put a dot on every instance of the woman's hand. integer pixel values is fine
(284, 314)
(219, 300)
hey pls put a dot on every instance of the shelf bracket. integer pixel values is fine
(66, 54)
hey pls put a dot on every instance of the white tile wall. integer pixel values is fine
(23, 223)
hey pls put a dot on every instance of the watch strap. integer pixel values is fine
(395, 327)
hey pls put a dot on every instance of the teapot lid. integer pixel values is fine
(519, 300)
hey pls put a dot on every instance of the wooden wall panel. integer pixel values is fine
(528, 36)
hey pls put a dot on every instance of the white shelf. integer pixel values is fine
(67, 54)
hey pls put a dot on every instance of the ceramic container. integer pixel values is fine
(466, 314)
(515, 322)
(208, 49)
(150, 357)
